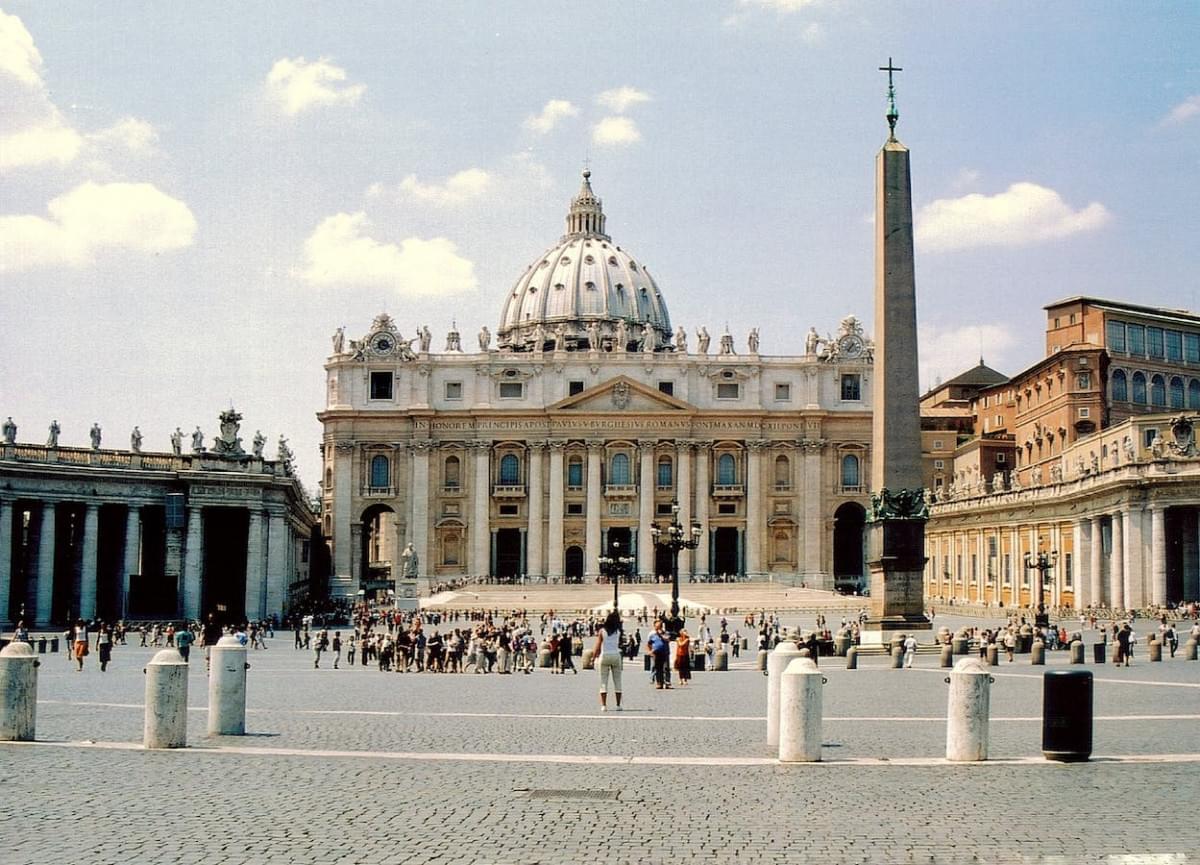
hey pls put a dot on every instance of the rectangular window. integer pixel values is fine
(851, 387)
(1135, 336)
(574, 387)
(667, 387)
(1116, 336)
(783, 392)
(992, 548)
(1083, 381)
(1007, 569)
(1084, 411)
(1191, 347)
(574, 509)
(727, 508)
(1068, 576)
(974, 568)
(1174, 346)
(663, 509)
(1154, 342)
(939, 464)
(575, 474)
(728, 390)
(381, 385)
(512, 389)
(937, 444)
(1148, 437)
(454, 390)
(1001, 459)
(509, 510)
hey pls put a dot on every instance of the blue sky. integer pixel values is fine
(193, 197)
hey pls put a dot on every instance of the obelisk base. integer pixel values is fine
(896, 560)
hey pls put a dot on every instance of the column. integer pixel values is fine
(703, 496)
(346, 548)
(256, 575)
(534, 567)
(481, 498)
(492, 552)
(523, 554)
(45, 566)
(1081, 579)
(645, 549)
(279, 576)
(87, 566)
(1056, 573)
(1116, 564)
(6, 521)
(193, 563)
(133, 555)
(591, 565)
(554, 544)
(683, 494)
(356, 556)
(1095, 562)
(1158, 555)
(813, 533)
(420, 493)
(1132, 577)
(982, 566)
(754, 509)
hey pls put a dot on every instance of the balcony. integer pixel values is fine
(371, 492)
(620, 491)
(452, 491)
(728, 491)
(852, 489)
(783, 487)
(508, 491)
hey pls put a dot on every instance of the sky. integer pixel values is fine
(194, 197)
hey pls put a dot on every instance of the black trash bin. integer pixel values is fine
(54, 644)
(1098, 653)
(698, 661)
(1067, 715)
(41, 645)
(648, 662)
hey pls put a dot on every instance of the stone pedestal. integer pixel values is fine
(896, 561)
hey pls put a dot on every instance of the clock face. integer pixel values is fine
(851, 345)
(383, 343)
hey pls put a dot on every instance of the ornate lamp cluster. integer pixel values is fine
(675, 537)
(614, 567)
(1041, 562)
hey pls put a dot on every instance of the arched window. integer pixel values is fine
(726, 470)
(783, 473)
(1176, 392)
(379, 471)
(1193, 398)
(1139, 388)
(328, 479)
(575, 472)
(665, 475)
(620, 470)
(1158, 391)
(453, 468)
(510, 470)
(1120, 386)
(849, 471)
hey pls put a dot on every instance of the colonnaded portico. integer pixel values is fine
(122, 534)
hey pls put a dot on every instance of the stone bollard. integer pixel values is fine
(18, 692)
(1077, 652)
(1037, 654)
(993, 655)
(897, 657)
(589, 659)
(166, 701)
(1189, 650)
(841, 645)
(227, 688)
(968, 711)
(763, 655)
(960, 645)
(896, 646)
(721, 661)
(784, 653)
(947, 656)
(544, 659)
(800, 712)
(1155, 649)
(852, 658)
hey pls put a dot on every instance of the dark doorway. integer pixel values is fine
(223, 586)
(848, 522)
(110, 562)
(1177, 522)
(380, 553)
(508, 555)
(725, 552)
(662, 563)
(573, 565)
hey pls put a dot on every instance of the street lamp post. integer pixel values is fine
(614, 567)
(675, 537)
(1041, 563)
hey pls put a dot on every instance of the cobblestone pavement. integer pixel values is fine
(355, 765)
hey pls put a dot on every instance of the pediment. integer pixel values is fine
(621, 394)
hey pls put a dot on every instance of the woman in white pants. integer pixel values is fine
(608, 651)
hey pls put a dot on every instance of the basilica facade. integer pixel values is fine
(582, 423)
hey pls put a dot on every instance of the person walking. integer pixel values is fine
(79, 639)
(608, 650)
(683, 657)
(659, 648)
(183, 643)
(104, 646)
(566, 647)
(910, 651)
(337, 648)
(320, 646)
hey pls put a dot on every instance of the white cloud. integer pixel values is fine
(783, 7)
(339, 253)
(947, 351)
(93, 218)
(552, 112)
(458, 188)
(19, 57)
(39, 145)
(129, 133)
(296, 85)
(1024, 213)
(1184, 111)
(615, 131)
(621, 99)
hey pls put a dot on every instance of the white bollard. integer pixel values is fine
(166, 701)
(968, 711)
(800, 712)
(786, 651)
(227, 688)
(18, 692)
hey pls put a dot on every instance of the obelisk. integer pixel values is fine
(896, 523)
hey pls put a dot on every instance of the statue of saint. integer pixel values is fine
(593, 332)
(622, 344)
(10, 431)
(197, 441)
(259, 441)
(177, 441)
(539, 338)
(681, 340)
(485, 338)
(135, 440)
(752, 340)
(339, 340)
(560, 338)
(52, 439)
(811, 340)
(727, 343)
(95, 434)
(424, 338)
(702, 340)
(410, 562)
(649, 338)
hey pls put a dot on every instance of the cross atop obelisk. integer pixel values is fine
(893, 115)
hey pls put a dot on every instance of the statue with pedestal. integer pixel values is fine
(177, 441)
(702, 340)
(10, 431)
(227, 444)
(95, 434)
(135, 440)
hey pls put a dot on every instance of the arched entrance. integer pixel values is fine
(380, 551)
(726, 552)
(573, 565)
(223, 591)
(508, 555)
(849, 574)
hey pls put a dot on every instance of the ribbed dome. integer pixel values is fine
(587, 286)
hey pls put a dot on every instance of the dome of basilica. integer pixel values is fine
(585, 292)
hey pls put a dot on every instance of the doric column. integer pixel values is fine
(981, 566)
(346, 549)
(481, 538)
(87, 565)
(1056, 572)
(1018, 568)
(1116, 563)
(45, 566)
(1080, 579)
(703, 496)
(193, 562)
(645, 549)
(1158, 555)
(356, 559)
(1095, 561)
(754, 508)
(554, 551)
(133, 555)
(6, 521)
(813, 533)
(1133, 575)
(279, 575)
(591, 565)
(683, 494)
(420, 493)
(534, 566)
(256, 574)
